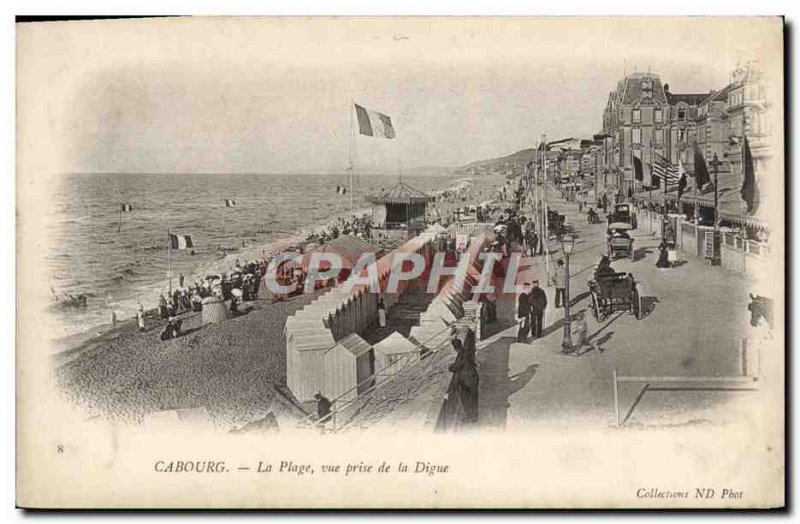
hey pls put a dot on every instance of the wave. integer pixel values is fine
(123, 283)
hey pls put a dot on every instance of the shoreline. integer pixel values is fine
(68, 340)
(229, 369)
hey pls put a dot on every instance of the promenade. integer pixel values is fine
(694, 317)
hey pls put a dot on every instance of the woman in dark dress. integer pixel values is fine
(465, 371)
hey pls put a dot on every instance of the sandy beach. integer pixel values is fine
(230, 368)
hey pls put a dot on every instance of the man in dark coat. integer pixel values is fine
(531, 241)
(323, 408)
(523, 315)
(538, 303)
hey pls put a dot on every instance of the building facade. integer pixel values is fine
(637, 118)
(712, 125)
(748, 114)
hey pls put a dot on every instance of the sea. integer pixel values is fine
(120, 259)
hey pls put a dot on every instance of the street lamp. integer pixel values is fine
(715, 259)
(567, 246)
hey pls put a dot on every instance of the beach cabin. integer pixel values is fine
(395, 351)
(399, 213)
(214, 310)
(350, 363)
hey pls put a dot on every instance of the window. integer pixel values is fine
(681, 113)
(637, 116)
(621, 114)
(659, 136)
(658, 116)
(682, 135)
(647, 85)
(636, 136)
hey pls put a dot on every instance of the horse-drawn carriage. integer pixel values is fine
(624, 213)
(620, 244)
(555, 220)
(611, 292)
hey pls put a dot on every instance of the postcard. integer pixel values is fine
(401, 262)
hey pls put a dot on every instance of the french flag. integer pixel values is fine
(126, 208)
(372, 123)
(230, 203)
(180, 241)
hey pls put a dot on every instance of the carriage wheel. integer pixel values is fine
(637, 304)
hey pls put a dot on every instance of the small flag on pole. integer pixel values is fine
(341, 190)
(638, 172)
(681, 179)
(180, 241)
(126, 208)
(749, 191)
(701, 176)
(230, 203)
(372, 123)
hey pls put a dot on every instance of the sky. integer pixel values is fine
(274, 95)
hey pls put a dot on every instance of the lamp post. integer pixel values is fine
(567, 246)
(715, 163)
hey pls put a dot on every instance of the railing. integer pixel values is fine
(341, 404)
(469, 229)
(747, 380)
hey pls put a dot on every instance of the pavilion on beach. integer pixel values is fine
(399, 213)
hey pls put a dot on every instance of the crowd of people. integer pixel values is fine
(241, 284)
(358, 226)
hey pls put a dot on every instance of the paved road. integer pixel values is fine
(695, 319)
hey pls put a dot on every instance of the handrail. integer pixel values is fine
(406, 360)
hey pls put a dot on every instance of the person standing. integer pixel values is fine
(578, 333)
(180, 280)
(663, 255)
(560, 281)
(162, 306)
(669, 235)
(381, 313)
(323, 409)
(140, 316)
(538, 303)
(523, 315)
(465, 373)
(531, 241)
(468, 379)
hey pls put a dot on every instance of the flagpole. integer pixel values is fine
(352, 153)
(741, 146)
(544, 218)
(119, 221)
(169, 263)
